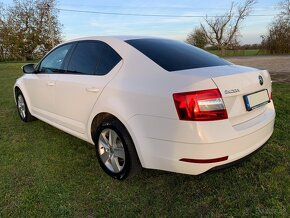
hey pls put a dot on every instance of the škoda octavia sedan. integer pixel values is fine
(149, 102)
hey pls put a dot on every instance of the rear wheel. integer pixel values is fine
(23, 110)
(115, 150)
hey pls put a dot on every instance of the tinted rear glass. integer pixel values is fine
(110, 58)
(174, 55)
(85, 58)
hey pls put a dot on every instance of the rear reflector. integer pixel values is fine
(202, 105)
(219, 159)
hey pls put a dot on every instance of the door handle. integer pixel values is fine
(50, 83)
(92, 89)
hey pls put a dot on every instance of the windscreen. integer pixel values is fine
(174, 55)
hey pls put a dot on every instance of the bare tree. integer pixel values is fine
(222, 31)
(277, 40)
(197, 38)
(285, 9)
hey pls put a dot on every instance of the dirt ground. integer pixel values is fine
(278, 66)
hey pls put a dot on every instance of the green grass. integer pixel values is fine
(46, 172)
(248, 52)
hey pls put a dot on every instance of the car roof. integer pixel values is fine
(121, 37)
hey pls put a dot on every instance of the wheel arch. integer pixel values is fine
(18, 88)
(97, 120)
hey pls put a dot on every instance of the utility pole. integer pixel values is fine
(50, 28)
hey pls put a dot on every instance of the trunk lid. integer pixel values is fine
(233, 81)
(235, 85)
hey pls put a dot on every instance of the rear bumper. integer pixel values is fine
(223, 166)
(163, 154)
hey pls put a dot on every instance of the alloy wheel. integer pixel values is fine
(21, 106)
(111, 150)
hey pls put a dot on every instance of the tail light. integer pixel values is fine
(202, 105)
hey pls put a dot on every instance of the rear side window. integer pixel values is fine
(85, 58)
(174, 55)
(110, 58)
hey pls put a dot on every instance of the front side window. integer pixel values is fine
(53, 62)
(85, 58)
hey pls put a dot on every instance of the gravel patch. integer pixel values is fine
(278, 66)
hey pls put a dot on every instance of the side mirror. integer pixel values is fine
(28, 68)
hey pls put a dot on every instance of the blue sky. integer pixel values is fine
(83, 24)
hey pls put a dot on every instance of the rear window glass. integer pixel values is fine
(174, 55)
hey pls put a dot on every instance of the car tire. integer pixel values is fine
(115, 150)
(22, 108)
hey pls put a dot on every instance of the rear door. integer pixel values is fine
(91, 66)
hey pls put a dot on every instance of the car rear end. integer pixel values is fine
(238, 118)
(202, 117)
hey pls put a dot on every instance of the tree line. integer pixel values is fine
(28, 29)
(222, 32)
(277, 40)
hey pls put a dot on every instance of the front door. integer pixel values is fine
(41, 87)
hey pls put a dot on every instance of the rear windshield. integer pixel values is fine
(174, 55)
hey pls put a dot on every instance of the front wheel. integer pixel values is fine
(23, 110)
(115, 150)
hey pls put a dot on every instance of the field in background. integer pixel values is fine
(46, 172)
(248, 52)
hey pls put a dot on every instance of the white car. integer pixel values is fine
(149, 102)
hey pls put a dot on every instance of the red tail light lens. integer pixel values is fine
(202, 105)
